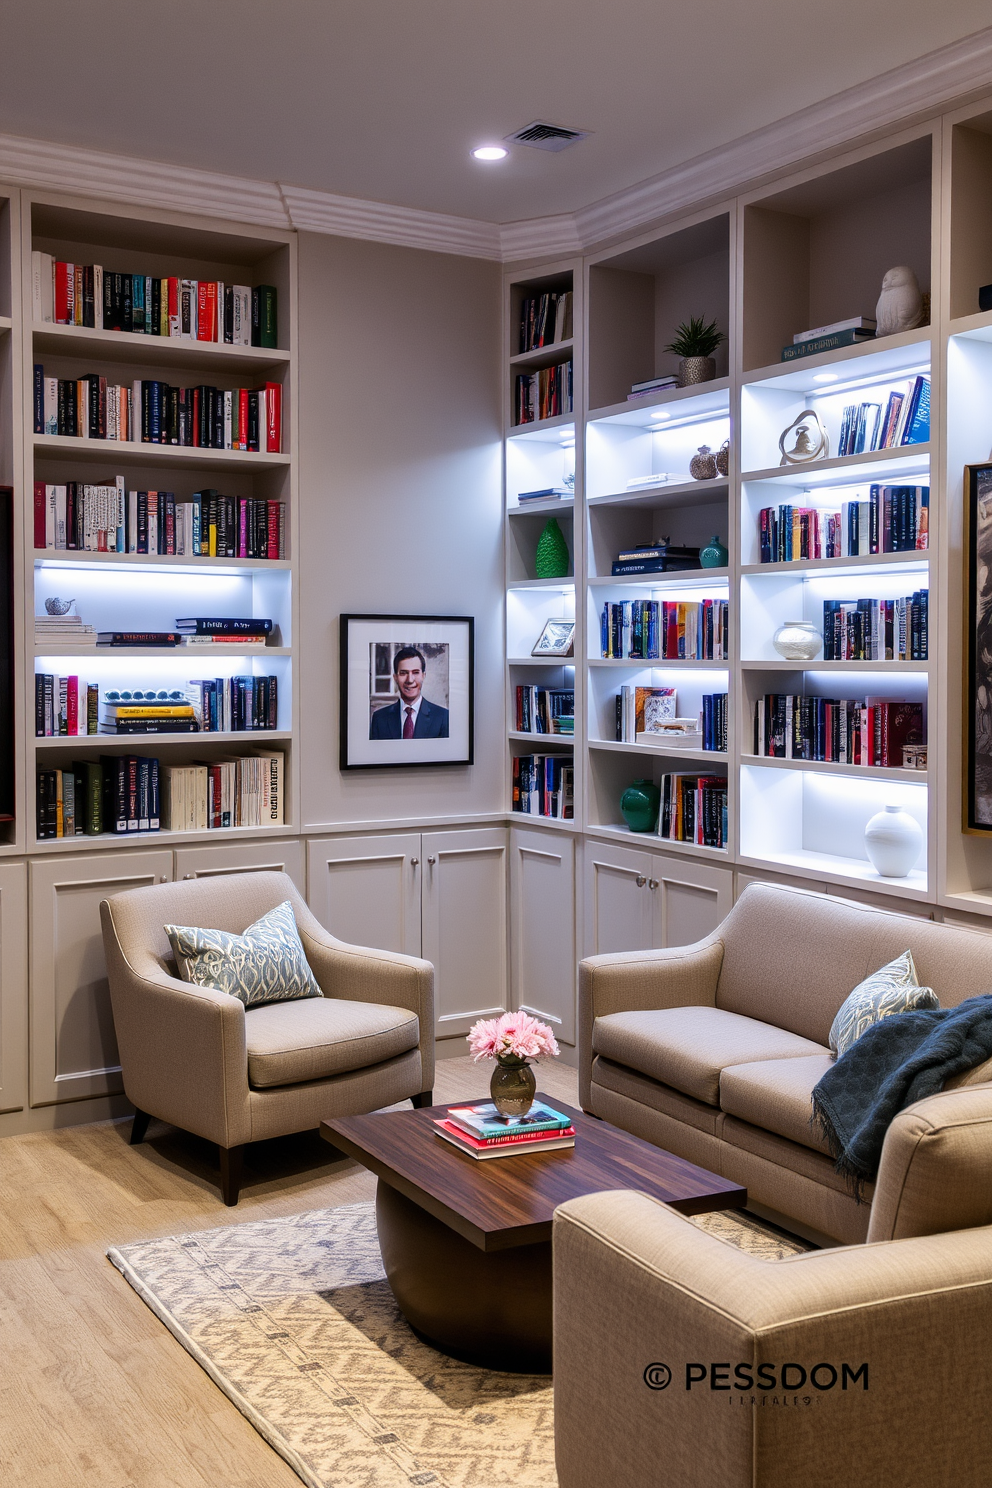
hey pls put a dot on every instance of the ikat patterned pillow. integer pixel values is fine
(265, 964)
(892, 989)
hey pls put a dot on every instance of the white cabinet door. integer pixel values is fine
(73, 1048)
(618, 903)
(542, 927)
(464, 910)
(13, 986)
(275, 856)
(366, 890)
(688, 899)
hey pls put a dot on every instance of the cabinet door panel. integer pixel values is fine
(274, 856)
(688, 899)
(542, 927)
(464, 906)
(618, 908)
(366, 890)
(13, 986)
(73, 1048)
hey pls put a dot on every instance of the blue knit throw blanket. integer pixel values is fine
(897, 1061)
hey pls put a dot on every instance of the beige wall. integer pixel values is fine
(400, 497)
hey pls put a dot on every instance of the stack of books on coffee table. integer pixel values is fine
(482, 1132)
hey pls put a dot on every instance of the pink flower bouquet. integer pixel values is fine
(512, 1039)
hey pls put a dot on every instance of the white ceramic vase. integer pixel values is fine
(797, 640)
(892, 841)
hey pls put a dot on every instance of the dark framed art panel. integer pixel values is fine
(978, 649)
(407, 691)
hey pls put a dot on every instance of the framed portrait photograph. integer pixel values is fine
(556, 639)
(407, 690)
(978, 650)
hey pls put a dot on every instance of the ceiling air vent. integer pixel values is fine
(541, 136)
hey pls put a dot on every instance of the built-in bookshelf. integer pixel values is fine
(175, 548)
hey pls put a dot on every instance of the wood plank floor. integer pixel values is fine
(94, 1390)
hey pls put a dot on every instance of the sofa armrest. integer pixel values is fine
(636, 981)
(637, 1284)
(933, 1174)
(182, 1048)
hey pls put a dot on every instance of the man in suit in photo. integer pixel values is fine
(411, 716)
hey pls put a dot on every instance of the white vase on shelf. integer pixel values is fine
(797, 640)
(893, 840)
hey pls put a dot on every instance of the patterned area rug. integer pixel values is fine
(294, 1321)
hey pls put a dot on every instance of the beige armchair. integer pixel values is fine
(756, 1349)
(196, 1058)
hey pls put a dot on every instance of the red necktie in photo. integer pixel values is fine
(408, 724)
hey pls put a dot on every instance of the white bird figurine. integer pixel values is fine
(900, 305)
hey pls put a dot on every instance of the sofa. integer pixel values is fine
(712, 1050)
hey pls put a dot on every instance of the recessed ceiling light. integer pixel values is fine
(825, 377)
(490, 152)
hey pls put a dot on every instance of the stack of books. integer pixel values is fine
(839, 333)
(219, 631)
(59, 629)
(653, 385)
(482, 1132)
(544, 493)
(174, 716)
(655, 558)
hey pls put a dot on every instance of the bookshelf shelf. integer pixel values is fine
(888, 357)
(540, 427)
(163, 838)
(541, 661)
(559, 741)
(661, 751)
(651, 839)
(139, 350)
(190, 654)
(543, 356)
(560, 586)
(849, 470)
(834, 767)
(547, 508)
(673, 493)
(858, 565)
(131, 453)
(694, 578)
(972, 327)
(149, 743)
(832, 868)
(904, 668)
(655, 665)
(708, 400)
(202, 567)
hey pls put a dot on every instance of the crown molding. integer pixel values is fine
(911, 91)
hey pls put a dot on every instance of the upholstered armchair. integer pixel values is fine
(198, 1059)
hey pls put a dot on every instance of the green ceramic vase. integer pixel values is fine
(639, 804)
(512, 1088)
(714, 555)
(551, 560)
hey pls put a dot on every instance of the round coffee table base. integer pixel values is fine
(489, 1308)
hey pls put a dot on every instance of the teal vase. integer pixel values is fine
(714, 555)
(551, 559)
(639, 804)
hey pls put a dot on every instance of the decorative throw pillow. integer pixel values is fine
(891, 989)
(265, 964)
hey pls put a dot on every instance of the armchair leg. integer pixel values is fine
(139, 1126)
(231, 1161)
(425, 1098)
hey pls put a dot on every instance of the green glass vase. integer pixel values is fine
(551, 559)
(714, 555)
(512, 1088)
(639, 804)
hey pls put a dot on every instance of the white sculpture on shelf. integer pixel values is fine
(900, 305)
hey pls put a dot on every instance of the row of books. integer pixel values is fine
(544, 785)
(648, 715)
(894, 519)
(65, 293)
(482, 1132)
(849, 731)
(904, 420)
(79, 517)
(876, 629)
(66, 707)
(544, 394)
(544, 710)
(235, 704)
(545, 319)
(651, 629)
(125, 794)
(694, 809)
(151, 412)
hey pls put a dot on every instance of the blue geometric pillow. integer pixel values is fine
(892, 989)
(265, 964)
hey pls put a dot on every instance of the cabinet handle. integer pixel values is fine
(431, 861)
(652, 883)
(163, 878)
(414, 862)
(641, 880)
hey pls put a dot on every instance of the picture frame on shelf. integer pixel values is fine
(407, 691)
(556, 639)
(978, 630)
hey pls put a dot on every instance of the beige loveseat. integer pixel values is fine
(712, 1050)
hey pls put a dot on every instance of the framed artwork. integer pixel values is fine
(556, 639)
(978, 649)
(407, 690)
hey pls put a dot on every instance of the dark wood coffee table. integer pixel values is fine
(467, 1244)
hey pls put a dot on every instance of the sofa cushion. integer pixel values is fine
(687, 1047)
(776, 1094)
(791, 1155)
(289, 1042)
(894, 988)
(264, 964)
(647, 1092)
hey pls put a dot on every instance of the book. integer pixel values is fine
(863, 323)
(483, 1120)
(654, 384)
(546, 493)
(223, 626)
(832, 342)
(667, 564)
(482, 1151)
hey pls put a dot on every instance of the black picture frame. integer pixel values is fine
(977, 731)
(369, 644)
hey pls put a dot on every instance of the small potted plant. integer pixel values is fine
(513, 1041)
(695, 342)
